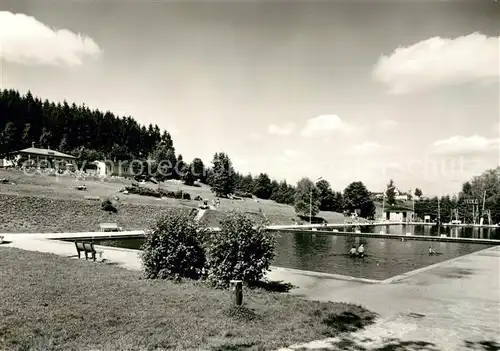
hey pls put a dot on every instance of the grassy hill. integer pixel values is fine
(52, 204)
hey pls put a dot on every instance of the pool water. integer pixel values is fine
(427, 230)
(328, 253)
(384, 258)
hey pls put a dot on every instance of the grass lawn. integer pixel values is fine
(52, 302)
(51, 204)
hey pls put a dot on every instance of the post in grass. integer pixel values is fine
(237, 288)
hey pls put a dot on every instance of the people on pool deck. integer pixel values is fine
(353, 251)
(431, 251)
(361, 250)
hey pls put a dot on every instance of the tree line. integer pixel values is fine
(90, 134)
(482, 191)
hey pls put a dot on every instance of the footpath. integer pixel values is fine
(454, 305)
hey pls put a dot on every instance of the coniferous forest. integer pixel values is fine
(25, 119)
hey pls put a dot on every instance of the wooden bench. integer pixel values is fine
(87, 248)
(109, 227)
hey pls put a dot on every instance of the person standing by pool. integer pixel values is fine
(353, 251)
(361, 250)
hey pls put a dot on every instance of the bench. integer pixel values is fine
(87, 248)
(109, 227)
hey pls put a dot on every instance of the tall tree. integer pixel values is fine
(357, 197)
(222, 183)
(326, 196)
(164, 161)
(338, 205)
(198, 169)
(390, 193)
(306, 198)
(418, 192)
(262, 186)
(187, 174)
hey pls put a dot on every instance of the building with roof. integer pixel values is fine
(398, 214)
(42, 158)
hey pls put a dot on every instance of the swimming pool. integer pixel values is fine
(430, 230)
(328, 253)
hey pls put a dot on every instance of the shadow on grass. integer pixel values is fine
(348, 321)
(231, 347)
(273, 286)
(346, 343)
(5, 242)
(457, 273)
(407, 346)
(314, 220)
(487, 345)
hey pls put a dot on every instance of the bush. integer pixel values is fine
(143, 191)
(107, 205)
(242, 194)
(158, 193)
(241, 250)
(172, 250)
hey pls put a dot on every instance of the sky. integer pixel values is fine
(347, 91)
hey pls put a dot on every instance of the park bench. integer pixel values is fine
(109, 227)
(87, 248)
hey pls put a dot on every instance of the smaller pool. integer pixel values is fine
(327, 253)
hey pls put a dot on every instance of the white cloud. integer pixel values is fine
(387, 124)
(323, 125)
(284, 129)
(25, 40)
(439, 61)
(465, 145)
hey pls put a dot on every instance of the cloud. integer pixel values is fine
(387, 124)
(465, 145)
(325, 124)
(285, 129)
(439, 61)
(25, 40)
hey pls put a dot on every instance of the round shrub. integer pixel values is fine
(107, 205)
(241, 250)
(172, 250)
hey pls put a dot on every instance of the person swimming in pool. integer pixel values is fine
(361, 250)
(353, 251)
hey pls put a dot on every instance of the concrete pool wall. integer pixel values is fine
(67, 238)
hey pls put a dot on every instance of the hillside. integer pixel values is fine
(52, 204)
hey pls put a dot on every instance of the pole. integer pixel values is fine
(310, 207)
(413, 205)
(439, 213)
(383, 206)
(481, 218)
(237, 288)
